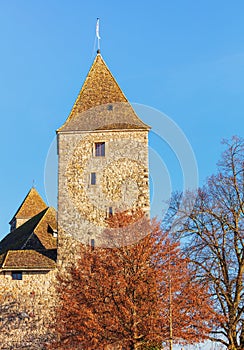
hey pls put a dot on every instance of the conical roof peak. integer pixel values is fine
(31, 205)
(99, 90)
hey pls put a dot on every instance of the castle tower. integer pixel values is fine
(103, 162)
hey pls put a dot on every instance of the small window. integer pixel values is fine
(17, 275)
(110, 211)
(92, 243)
(93, 178)
(100, 149)
(110, 107)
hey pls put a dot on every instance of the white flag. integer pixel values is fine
(97, 30)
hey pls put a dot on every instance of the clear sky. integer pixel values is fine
(184, 58)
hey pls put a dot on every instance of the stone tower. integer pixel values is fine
(103, 162)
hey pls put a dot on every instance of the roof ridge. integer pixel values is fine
(24, 250)
(113, 77)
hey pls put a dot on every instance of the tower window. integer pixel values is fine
(110, 211)
(17, 275)
(92, 243)
(93, 178)
(100, 149)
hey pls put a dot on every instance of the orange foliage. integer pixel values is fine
(120, 295)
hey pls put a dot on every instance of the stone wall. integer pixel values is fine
(27, 308)
(121, 183)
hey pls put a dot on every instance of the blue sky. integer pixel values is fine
(184, 58)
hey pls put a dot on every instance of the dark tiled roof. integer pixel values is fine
(33, 234)
(18, 238)
(27, 260)
(31, 205)
(101, 104)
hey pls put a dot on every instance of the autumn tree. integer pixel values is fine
(120, 296)
(213, 238)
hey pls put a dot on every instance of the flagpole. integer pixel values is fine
(98, 35)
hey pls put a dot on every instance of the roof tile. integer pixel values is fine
(101, 104)
(31, 205)
(27, 259)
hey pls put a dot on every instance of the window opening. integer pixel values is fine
(100, 149)
(17, 275)
(92, 243)
(93, 178)
(110, 211)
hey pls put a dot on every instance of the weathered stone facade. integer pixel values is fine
(30, 305)
(121, 180)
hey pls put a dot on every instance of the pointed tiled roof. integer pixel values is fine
(101, 104)
(31, 205)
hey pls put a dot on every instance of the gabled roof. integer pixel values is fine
(33, 234)
(101, 104)
(31, 205)
(27, 260)
(45, 227)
